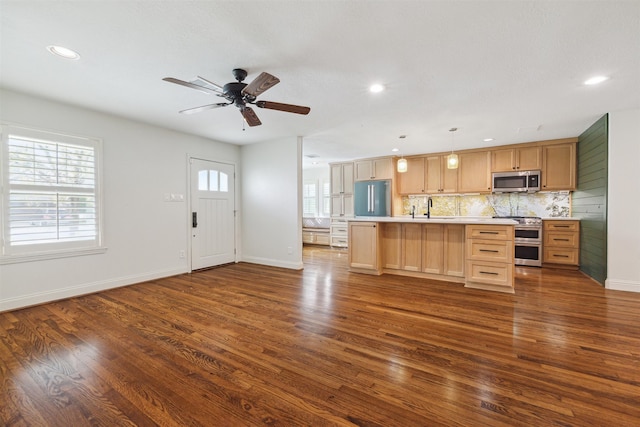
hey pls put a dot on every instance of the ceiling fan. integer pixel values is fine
(240, 94)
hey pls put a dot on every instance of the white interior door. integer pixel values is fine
(212, 213)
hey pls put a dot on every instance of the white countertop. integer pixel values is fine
(560, 219)
(438, 220)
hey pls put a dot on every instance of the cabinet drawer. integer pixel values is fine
(561, 256)
(341, 230)
(551, 225)
(340, 242)
(561, 239)
(492, 273)
(322, 239)
(490, 250)
(493, 232)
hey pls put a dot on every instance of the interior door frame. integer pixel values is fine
(188, 207)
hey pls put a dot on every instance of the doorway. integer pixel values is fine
(212, 213)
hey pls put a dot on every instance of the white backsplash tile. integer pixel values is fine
(542, 204)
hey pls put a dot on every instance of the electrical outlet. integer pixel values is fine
(181, 254)
(289, 250)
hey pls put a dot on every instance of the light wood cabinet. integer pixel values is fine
(364, 255)
(339, 233)
(428, 175)
(439, 178)
(489, 254)
(315, 237)
(561, 243)
(413, 180)
(524, 158)
(367, 169)
(443, 249)
(342, 178)
(411, 259)
(559, 167)
(341, 197)
(474, 172)
(391, 245)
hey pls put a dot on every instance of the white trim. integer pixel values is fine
(83, 289)
(622, 285)
(41, 256)
(274, 262)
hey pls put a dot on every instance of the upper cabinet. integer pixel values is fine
(474, 172)
(439, 178)
(381, 168)
(413, 180)
(342, 178)
(428, 175)
(510, 159)
(559, 167)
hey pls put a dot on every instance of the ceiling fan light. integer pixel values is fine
(452, 161)
(402, 165)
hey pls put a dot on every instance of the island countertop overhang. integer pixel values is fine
(435, 220)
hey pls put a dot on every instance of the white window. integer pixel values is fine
(213, 180)
(309, 198)
(326, 198)
(51, 200)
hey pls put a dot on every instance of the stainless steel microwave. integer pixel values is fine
(512, 182)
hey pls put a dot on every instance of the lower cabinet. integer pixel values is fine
(436, 249)
(364, 255)
(561, 243)
(490, 253)
(339, 235)
(315, 237)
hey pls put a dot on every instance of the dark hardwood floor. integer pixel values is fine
(246, 345)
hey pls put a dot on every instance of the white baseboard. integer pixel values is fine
(622, 285)
(83, 289)
(273, 262)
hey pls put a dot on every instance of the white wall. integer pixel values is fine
(143, 233)
(623, 210)
(271, 200)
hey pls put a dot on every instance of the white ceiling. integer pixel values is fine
(510, 70)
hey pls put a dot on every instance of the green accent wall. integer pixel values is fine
(589, 201)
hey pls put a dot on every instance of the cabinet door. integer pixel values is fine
(363, 170)
(433, 174)
(474, 172)
(503, 160)
(391, 234)
(411, 247)
(559, 167)
(412, 181)
(348, 205)
(529, 158)
(342, 178)
(454, 244)
(337, 205)
(448, 177)
(347, 178)
(383, 168)
(433, 248)
(363, 252)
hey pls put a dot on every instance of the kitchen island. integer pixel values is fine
(476, 251)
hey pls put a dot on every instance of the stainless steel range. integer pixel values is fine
(528, 240)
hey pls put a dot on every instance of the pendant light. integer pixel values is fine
(402, 166)
(452, 159)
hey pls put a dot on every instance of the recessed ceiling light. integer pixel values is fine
(488, 139)
(395, 150)
(63, 52)
(596, 80)
(376, 88)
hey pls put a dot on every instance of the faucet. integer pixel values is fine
(413, 211)
(429, 205)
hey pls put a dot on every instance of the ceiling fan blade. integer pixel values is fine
(250, 116)
(289, 108)
(260, 84)
(211, 83)
(191, 85)
(203, 108)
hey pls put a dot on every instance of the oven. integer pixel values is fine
(528, 241)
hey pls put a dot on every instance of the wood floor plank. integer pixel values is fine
(245, 345)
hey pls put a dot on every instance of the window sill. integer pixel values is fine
(41, 256)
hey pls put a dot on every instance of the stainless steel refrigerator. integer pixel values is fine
(373, 198)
